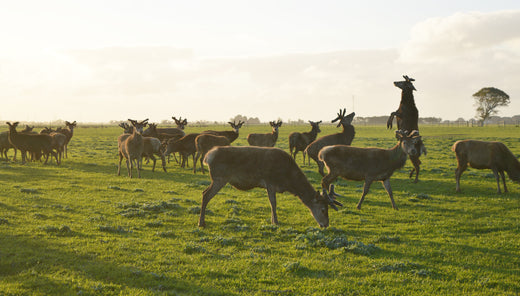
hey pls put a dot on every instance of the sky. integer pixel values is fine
(97, 61)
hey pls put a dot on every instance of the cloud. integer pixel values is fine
(466, 35)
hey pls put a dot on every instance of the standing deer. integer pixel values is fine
(231, 135)
(68, 131)
(270, 168)
(407, 118)
(368, 164)
(265, 140)
(131, 147)
(486, 155)
(343, 138)
(181, 123)
(33, 143)
(300, 141)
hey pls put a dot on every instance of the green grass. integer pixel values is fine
(79, 229)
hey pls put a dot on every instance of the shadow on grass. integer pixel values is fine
(23, 261)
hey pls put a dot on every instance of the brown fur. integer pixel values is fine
(231, 135)
(486, 155)
(343, 138)
(204, 143)
(131, 147)
(300, 141)
(58, 141)
(33, 143)
(271, 168)
(265, 140)
(185, 146)
(68, 131)
(368, 164)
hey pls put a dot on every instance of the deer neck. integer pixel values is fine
(397, 155)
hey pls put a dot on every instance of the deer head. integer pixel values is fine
(344, 120)
(236, 126)
(139, 126)
(181, 123)
(409, 141)
(275, 125)
(315, 125)
(406, 84)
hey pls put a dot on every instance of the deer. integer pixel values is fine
(68, 131)
(181, 123)
(367, 164)
(300, 141)
(231, 135)
(407, 118)
(5, 145)
(185, 146)
(265, 167)
(151, 147)
(343, 138)
(486, 155)
(33, 143)
(265, 140)
(204, 143)
(58, 141)
(131, 147)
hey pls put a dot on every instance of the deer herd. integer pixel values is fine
(262, 165)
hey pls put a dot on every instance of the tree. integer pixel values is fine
(487, 100)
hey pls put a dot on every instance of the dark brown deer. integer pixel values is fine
(204, 143)
(343, 138)
(300, 141)
(407, 118)
(32, 143)
(270, 168)
(185, 146)
(231, 135)
(181, 123)
(368, 164)
(68, 131)
(131, 148)
(486, 155)
(58, 141)
(5, 145)
(265, 140)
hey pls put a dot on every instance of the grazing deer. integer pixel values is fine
(486, 155)
(68, 131)
(33, 143)
(265, 140)
(131, 147)
(300, 141)
(270, 168)
(407, 118)
(343, 138)
(368, 164)
(231, 135)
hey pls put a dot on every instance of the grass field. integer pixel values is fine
(78, 229)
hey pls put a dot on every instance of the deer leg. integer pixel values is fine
(129, 167)
(272, 200)
(163, 161)
(196, 157)
(416, 167)
(388, 188)
(154, 161)
(462, 166)
(320, 167)
(504, 181)
(139, 161)
(202, 162)
(207, 195)
(497, 177)
(365, 192)
(303, 153)
(327, 180)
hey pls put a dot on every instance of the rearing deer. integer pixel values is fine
(407, 118)
(343, 138)
(265, 140)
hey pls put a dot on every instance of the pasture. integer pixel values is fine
(78, 229)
